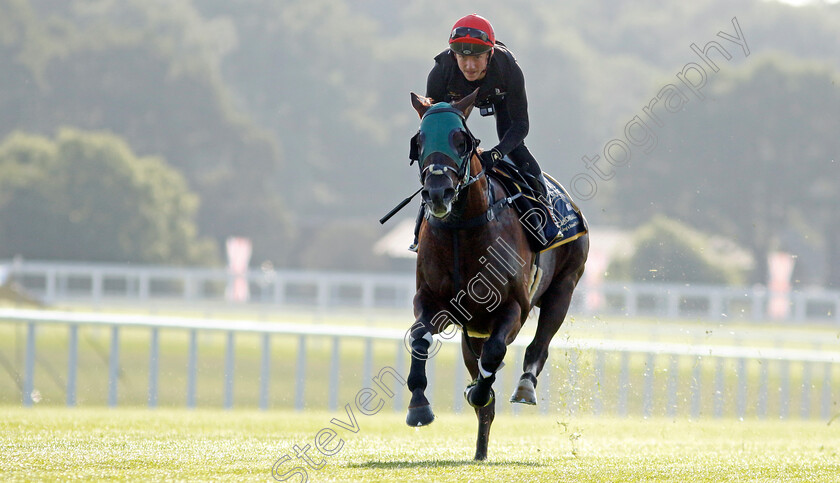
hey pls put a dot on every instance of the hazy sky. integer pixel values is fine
(799, 3)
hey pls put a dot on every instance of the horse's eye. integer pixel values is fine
(460, 140)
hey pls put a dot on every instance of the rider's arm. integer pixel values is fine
(517, 107)
(436, 82)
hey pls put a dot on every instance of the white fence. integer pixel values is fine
(592, 376)
(95, 284)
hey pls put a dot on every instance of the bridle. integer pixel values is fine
(462, 172)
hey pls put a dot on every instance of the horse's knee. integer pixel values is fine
(492, 355)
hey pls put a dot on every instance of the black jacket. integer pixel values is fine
(447, 83)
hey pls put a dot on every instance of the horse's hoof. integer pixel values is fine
(525, 393)
(472, 398)
(420, 416)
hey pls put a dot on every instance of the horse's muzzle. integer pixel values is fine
(438, 200)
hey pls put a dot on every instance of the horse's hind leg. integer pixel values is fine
(485, 417)
(486, 414)
(555, 304)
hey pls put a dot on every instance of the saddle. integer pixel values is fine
(548, 223)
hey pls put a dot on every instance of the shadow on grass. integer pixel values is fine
(392, 465)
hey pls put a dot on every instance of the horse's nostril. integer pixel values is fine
(425, 195)
(448, 194)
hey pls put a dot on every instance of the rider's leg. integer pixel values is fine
(526, 162)
(413, 247)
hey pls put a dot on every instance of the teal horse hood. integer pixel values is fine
(437, 130)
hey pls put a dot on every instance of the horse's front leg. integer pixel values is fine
(419, 410)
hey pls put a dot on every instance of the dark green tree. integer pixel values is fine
(86, 196)
(756, 161)
(149, 75)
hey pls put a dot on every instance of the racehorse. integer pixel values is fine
(476, 270)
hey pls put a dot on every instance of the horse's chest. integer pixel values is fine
(474, 307)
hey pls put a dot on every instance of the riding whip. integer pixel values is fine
(398, 207)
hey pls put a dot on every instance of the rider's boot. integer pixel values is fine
(539, 185)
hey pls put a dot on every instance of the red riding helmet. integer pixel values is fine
(472, 35)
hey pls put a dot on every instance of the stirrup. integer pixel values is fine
(413, 247)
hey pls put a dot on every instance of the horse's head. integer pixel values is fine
(444, 148)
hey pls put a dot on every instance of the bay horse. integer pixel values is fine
(475, 269)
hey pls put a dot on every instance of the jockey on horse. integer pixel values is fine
(476, 60)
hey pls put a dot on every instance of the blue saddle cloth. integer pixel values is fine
(548, 223)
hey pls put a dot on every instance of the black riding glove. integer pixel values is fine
(490, 158)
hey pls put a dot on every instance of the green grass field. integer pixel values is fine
(91, 442)
(57, 444)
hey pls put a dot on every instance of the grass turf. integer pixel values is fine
(47, 443)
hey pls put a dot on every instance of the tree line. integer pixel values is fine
(288, 121)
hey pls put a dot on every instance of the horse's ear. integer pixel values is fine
(421, 104)
(466, 104)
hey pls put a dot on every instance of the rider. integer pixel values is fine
(475, 60)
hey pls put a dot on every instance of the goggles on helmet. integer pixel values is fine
(459, 34)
